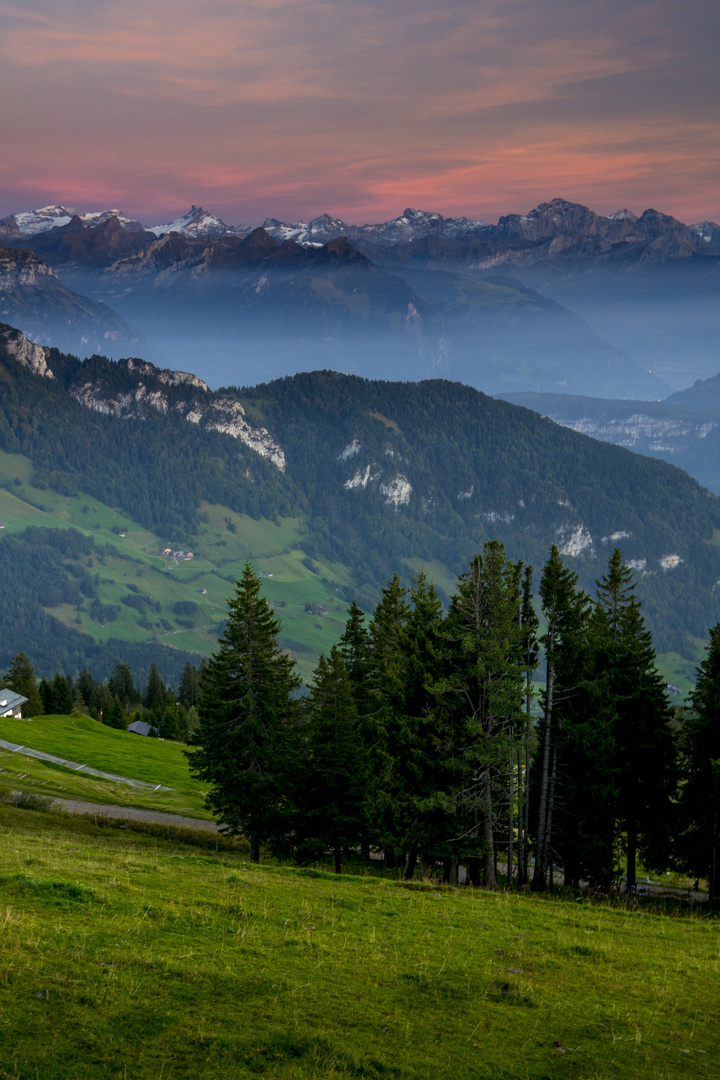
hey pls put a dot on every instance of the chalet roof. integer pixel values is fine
(9, 700)
(139, 727)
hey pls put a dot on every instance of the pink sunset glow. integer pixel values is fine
(294, 107)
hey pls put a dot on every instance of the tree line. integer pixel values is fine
(423, 734)
(116, 701)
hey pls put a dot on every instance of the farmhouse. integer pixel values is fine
(11, 703)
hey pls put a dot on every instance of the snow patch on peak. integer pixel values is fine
(198, 222)
(578, 540)
(101, 216)
(32, 222)
(350, 450)
(639, 566)
(670, 562)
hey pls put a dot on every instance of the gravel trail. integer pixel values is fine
(134, 813)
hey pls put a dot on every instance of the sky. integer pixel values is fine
(359, 108)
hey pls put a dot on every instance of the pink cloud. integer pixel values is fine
(297, 106)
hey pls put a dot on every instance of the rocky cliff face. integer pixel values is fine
(32, 356)
(22, 269)
(161, 390)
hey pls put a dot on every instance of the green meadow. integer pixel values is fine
(124, 956)
(84, 741)
(224, 541)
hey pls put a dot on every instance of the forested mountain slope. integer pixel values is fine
(377, 477)
(684, 429)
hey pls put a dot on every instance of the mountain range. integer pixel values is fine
(560, 299)
(131, 495)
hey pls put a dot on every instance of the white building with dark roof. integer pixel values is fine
(11, 703)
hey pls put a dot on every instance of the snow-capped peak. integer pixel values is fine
(99, 217)
(198, 222)
(31, 222)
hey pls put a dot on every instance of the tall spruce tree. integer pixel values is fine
(21, 678)
(245, 745)
(189, 690)
(331, 797)
(386, 724)
(122, 685)
(354, 646)
(59, 699)
(644, 768)
(529, 624)
(484, 690)
(415, 740)
(699, 844)
(565, 610)
(155, 689)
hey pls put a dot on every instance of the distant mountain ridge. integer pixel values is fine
(552, 228)
(644, 292)
(31, 295)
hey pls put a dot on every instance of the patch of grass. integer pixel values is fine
(88, 742)
(173, 961)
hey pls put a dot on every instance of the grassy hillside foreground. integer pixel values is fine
(124, 956)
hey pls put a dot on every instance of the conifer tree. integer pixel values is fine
(84, 685)
(331, 798)
(245, 746)
(155, 690)
(60, 699)
(644, 765)
(413, 741)
(699, 847)
(648, 767)
(116, 716)
(529, 624)
(21, 679)
(565, 611)
(122, 685)
(354, 646)
(189, 686)
(484, 691)
(386, 695)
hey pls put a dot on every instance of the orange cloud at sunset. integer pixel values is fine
(293, 107)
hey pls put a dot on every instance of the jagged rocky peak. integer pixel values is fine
(209, 411)
(26, 352)
(708, 232)
(165, 375)
(198, 222)
(227, 415)
(116, 217)
(20, 267)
